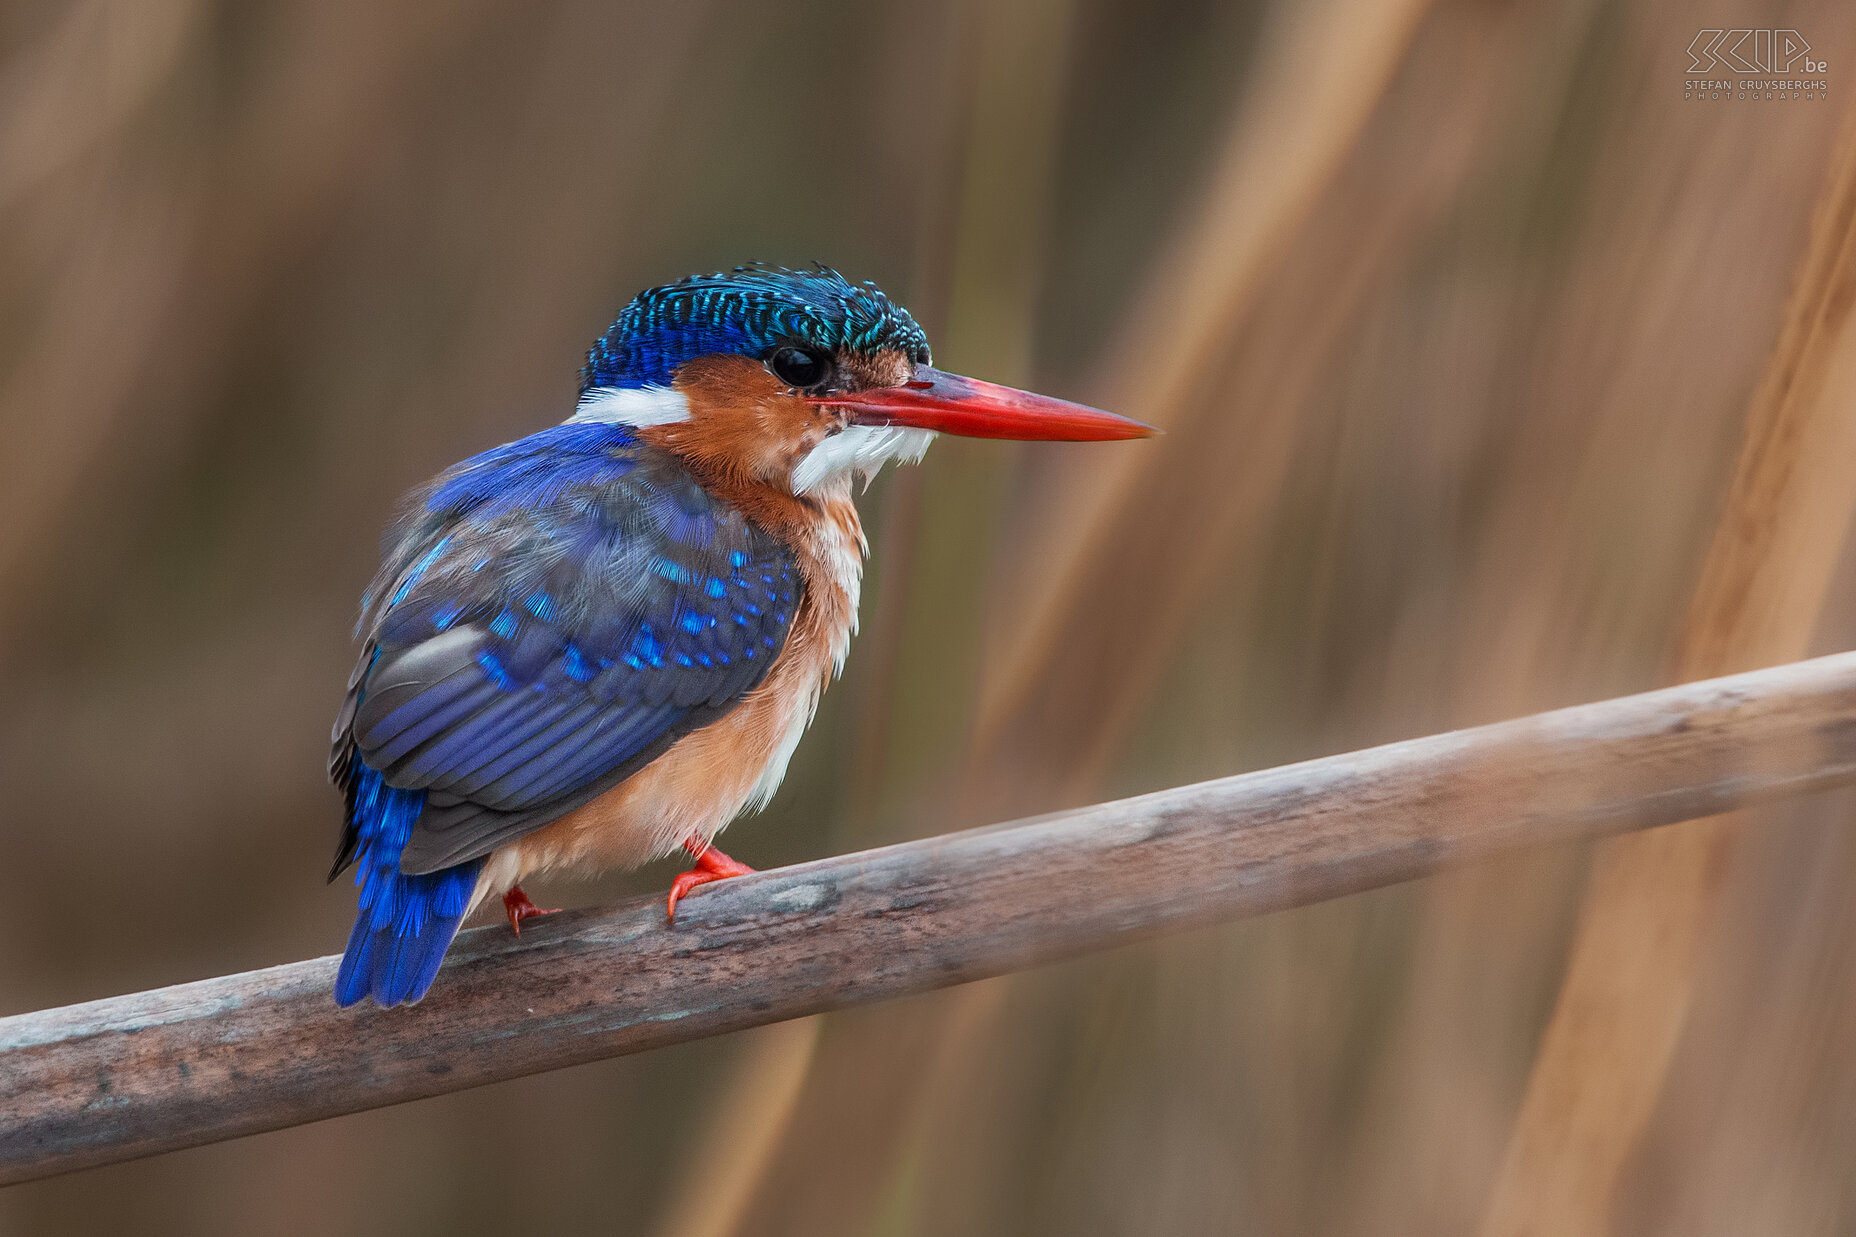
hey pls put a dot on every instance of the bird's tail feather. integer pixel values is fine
(405, 923)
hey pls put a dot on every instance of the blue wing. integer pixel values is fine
(552, 615)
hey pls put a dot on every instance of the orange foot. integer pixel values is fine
(517, 906)
(711, 865)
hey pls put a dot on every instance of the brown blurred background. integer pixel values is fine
(1453, 310)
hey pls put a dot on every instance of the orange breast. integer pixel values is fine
(711, 775)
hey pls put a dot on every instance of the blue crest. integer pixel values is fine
(747, 311)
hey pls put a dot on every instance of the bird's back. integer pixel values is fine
(551, 616)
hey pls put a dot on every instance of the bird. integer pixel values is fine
(599, 644)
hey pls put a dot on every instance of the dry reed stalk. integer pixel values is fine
(723, 1170)
(1634, 961)
(136, 1075)
(1199, 503)
(168, 261)
(1336, 60)
(1290, 223)
(82, 82)
(1314, 245)
(1618, 406)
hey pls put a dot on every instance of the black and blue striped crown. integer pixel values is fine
(748, 311)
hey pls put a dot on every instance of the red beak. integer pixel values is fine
(950, 404)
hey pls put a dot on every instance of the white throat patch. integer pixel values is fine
(859, 449)
(633, 406)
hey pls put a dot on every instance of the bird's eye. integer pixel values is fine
(799, 367)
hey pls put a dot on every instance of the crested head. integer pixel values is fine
(767, 380)
(726, 371)
(749, 311)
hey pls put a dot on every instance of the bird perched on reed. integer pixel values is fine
(602, 642)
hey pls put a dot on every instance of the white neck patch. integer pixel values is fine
(859, 449)
(633, 406)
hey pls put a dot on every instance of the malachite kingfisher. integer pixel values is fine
(602, 642)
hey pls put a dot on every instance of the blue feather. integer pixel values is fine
(747, 311)
(575, 596)
(405, 923)
(530, 473)
(553, 612)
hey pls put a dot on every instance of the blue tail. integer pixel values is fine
(405, 923)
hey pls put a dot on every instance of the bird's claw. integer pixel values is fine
(711, 865)
(517, 906)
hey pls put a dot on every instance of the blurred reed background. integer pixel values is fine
(1453, 311)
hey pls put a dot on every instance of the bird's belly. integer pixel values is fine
(696, 787)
